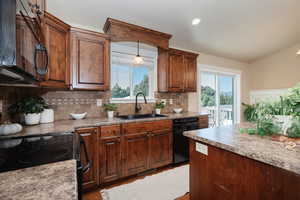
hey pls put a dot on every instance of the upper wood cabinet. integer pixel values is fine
(89, 60)
(177, 71)
(56, 34)
(25, 42)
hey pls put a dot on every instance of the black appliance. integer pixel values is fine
(23, 152)
(180, 142)
(12, 64)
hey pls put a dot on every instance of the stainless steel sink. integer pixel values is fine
(144, 116)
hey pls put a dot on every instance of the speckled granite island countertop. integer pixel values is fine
(65, 126)
(46, 182)
(262, 149)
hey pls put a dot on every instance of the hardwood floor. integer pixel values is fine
(95, 195)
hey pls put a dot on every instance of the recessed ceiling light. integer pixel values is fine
(298, 53)
(196, 21)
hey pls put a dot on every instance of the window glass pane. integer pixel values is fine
(141, 80)
(208, 90)
(226, 100)
(120, 81)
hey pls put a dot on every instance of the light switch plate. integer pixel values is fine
(171, 101)
(201, 148)
(99, 102)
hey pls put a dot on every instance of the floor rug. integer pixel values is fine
(167, 185)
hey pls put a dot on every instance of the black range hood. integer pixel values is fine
(10, 72)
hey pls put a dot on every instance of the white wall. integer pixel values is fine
(280, 70)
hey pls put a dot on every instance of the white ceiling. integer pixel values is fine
(243, 30)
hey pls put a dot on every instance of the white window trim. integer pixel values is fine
(143, 52)
(237, 86)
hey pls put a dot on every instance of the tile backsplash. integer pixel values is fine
(66, 102)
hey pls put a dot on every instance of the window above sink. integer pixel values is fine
(127, 79)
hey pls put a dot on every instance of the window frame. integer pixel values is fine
(117, 47)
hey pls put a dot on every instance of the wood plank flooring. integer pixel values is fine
(95, 195)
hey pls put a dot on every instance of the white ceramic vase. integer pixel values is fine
(157, 111)
(284, 121)
(32, 118)
(110, 114)
(47, 116)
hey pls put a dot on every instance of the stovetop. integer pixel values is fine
(31, 151)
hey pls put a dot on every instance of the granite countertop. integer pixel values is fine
(45, 182)
(67, 126)
(259, 148)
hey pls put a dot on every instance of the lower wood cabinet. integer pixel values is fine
(135, 153)
(133, 148)
(119, 151)
(90, 137)
(110, 153)
(160, 148)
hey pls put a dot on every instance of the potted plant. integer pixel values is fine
(30, 107)
(110, 108)
(158, 106)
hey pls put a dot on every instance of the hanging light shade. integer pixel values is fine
(138, 60)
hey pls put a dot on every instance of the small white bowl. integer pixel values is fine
(78, 116)
(177, 110)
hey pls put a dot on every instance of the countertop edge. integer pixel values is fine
(238, 151)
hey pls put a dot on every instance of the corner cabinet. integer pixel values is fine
(90, 137)
(177, 71)
(57, 41)
(89, 60)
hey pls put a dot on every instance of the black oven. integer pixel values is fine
(22, 152)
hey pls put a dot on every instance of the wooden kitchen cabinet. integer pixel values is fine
(89, 60)
(190, 62)
(90, 137)
(56, 34)
(146, 145)
(177, 71)
(110, 153)
(135, 153)
(161, 148)
(25, 42)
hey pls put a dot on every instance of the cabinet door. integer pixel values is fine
(90, 60)
(90, 137)
(57, 44)
(176, 72)
(190, 73)
(160, 148)
(135, 153)
(25, 43)
(110, 159)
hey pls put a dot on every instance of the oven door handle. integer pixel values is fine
(87, 167)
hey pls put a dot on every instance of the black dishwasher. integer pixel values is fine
(180, 142)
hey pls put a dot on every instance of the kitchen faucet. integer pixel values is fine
(138, 107)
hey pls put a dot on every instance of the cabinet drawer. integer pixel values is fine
(159, 125)
(133, 128)
(110, 131)
(139, 127)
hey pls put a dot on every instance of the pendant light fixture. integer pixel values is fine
(138, 60)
